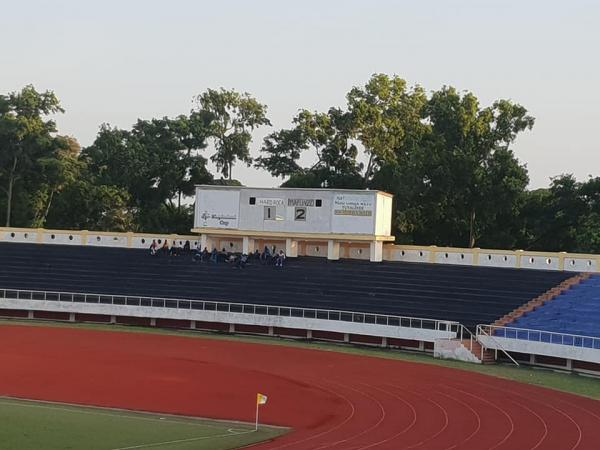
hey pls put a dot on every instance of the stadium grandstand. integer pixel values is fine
(339, 282)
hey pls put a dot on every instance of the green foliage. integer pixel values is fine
(462, 183)
(387, 119)
(233, 117)
(157, 163)
(328, 136)
(564, 217)
(27, 141)
(85, 206)
(447, 160)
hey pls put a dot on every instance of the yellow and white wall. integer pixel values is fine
(518, 259)
(91, 238)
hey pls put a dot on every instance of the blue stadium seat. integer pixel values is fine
(576, 311)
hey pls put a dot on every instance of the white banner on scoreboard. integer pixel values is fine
(353, 213)
(217, 208)
(353, 205)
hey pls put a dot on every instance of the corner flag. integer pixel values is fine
(260, 400)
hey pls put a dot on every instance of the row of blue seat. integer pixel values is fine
(575, 311)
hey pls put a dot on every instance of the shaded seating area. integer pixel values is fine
(470, 295)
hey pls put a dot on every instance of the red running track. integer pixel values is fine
(332, 400)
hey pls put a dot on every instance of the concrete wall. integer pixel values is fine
(540, 348)
(383, 222)
(517, 259)
(92, 238)
(453, 349)
(24, 235)
(337, 326)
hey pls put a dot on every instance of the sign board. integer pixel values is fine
(217, 208)
(301, 202)
(270, 202)
(353, 205)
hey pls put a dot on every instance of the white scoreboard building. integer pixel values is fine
(315, 222)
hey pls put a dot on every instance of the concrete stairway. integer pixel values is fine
(484, 355)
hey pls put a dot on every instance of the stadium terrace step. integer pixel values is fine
(467, 294)
(484, 355)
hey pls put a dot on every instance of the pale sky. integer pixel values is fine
(114, 61)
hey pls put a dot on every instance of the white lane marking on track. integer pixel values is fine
(381, 408)
(560, 411)
(544, 424)
(493, 405)
(541, 402)
(90, 410)
(323, 433)
(475, 413)
(414, 421)
(179, 441)
(579, 407)
(441, 408)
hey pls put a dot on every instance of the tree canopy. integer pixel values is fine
(233, 117)
(447, 159)
(27, 141)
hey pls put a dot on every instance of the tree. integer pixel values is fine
(56, 172)
(461, 183)
(328, 137)
(157, 162)
(384, 116)
(83, 205)
(387, 119)
(234, 116)
(564, 217)
(26, 135)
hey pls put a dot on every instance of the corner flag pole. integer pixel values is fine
(260, 400)
(256, 425)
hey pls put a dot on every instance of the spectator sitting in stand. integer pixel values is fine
(153, 247)
(187, 248)
(256, 254)
(241, 262)
(198, 255)
(174, 249)
(280, 259)
(214, 256)
(266, 255)
(165, 248)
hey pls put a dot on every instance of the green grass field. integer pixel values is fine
(30, 425)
